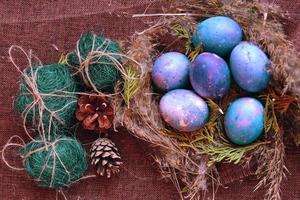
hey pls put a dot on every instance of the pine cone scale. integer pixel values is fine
(109, 111)
(87, 108)
(80, 115)
(100, 148)
(104, 122)
(89, 122)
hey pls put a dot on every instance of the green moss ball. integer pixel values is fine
(60, 164)
(102, 71)
(56, 87)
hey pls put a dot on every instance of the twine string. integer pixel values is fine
(21, 144)
(61, 192)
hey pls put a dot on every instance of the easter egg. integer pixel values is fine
(244, 121)
(183, 110)
(171, 71)
(249, 66)
(210, 75)
(218, 35)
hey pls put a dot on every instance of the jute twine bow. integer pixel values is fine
(94, 57)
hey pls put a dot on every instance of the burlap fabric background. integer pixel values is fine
(43, 26)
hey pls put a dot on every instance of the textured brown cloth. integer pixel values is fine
(46, 26)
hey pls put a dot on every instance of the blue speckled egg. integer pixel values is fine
(210, 75)
(183, 110)
(244, 121)
(218, 35)
(249, 66)
(171, 71)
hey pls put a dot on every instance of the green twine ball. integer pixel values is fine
(102, 71)
(56, 87)
(61, 164)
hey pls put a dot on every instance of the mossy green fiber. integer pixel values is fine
(59, 165)
(102, 72)
(57, 88)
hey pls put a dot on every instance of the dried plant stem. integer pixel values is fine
(271, 167)
(165, 14)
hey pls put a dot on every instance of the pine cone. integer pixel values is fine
(105, 155)
(95, 113)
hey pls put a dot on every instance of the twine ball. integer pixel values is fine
(55, 86)
(102, 71)
(62, 162)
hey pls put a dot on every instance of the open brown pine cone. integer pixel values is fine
(95, 113)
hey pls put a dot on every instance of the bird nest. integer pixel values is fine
(189, 159)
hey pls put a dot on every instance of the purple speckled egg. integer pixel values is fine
(171, 71)
(210, 76)
(249, 66)
(244, 121)
(219, 34)
(184, 110)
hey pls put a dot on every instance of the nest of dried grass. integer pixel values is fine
(189, 159)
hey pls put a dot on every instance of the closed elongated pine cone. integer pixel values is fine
(106, 157)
